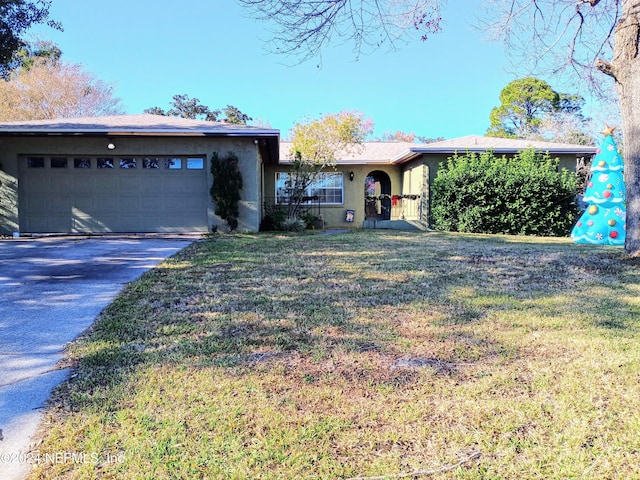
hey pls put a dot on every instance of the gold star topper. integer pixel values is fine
(608, 130)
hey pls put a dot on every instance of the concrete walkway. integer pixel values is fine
(52, 289)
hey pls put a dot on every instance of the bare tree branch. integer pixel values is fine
(301, 28)
(557, 36)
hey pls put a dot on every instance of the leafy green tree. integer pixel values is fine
(234, 115)
(16, 17)
(33, 53)
(184, 106)
(524, 104)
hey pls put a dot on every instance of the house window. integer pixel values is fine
(326, 188)
(58, 162)
(35, 162)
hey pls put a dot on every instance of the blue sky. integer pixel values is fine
(209, 49)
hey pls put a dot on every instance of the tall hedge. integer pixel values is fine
(524, 195)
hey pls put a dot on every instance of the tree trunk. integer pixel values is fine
(626, 69)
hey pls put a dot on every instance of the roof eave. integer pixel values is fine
(416, 152)
(135, 132)
(338, 163)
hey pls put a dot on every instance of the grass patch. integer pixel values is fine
(360, 354)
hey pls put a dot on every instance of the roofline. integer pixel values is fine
(417, 151)
(503, 150)
(267, 140)
(136, 132)
(287, 161)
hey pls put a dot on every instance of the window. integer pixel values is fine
(173, 163)
(105, 163)
(58, 162)
(35, 162)
(150, 162)
(81, 162)
(127, 163)
(195, 163)
(327, 188)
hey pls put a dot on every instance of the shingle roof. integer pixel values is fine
(366, 153)
(132, 124)
(400, 152)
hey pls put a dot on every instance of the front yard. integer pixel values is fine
(365, 354)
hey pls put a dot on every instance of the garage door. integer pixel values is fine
(72, 194)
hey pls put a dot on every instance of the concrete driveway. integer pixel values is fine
(52, 289)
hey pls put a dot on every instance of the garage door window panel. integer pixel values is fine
(173, 163)
(195, 163)
(82, 162)
(59, 162)
(151, 163)
(128, 163)
(35, 162)
(105, 163)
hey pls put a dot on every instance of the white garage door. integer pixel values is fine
(72, 194)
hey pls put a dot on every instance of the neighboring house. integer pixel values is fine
(387, 184)
(129, 173)
(151, 174)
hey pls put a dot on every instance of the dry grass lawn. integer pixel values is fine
(365, 354)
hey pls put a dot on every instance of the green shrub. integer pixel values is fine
(524, 195)
(274, 217)
(225, 191)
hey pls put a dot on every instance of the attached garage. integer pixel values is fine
(127, 174)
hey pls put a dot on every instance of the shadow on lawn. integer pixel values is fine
(397, 300)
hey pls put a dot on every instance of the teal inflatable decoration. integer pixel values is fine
(604, 220)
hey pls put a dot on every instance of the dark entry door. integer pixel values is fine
(377, 196)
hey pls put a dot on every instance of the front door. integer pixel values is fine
(377, 196)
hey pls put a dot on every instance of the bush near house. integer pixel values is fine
(523, 195)
(225, 191)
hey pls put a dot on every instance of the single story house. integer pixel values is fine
(387, 184)
(151, 174)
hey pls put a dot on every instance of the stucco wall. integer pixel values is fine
(334, 215)
(249, 163)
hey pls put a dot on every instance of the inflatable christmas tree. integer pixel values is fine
(604, 220)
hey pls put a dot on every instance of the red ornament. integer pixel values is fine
(606, 193)
(613, 234)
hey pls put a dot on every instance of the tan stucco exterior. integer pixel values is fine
(412, 178)
(250, 164)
